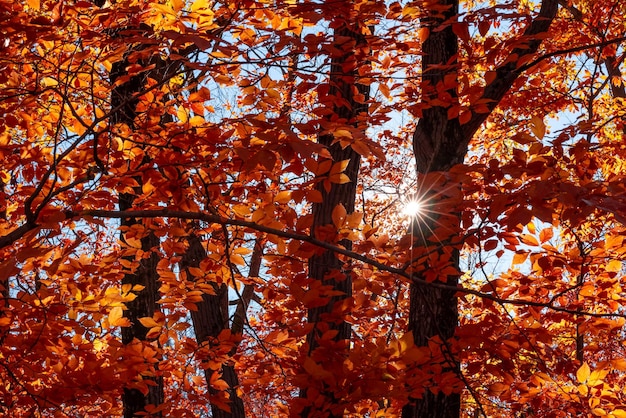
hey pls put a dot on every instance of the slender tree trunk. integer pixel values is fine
(124, 104)
(4, 281)
(440, 143)
(209, 320)
(144, 305)
(327, 268)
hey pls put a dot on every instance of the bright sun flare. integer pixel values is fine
(412, 208)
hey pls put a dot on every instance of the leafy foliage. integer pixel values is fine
(223, 146)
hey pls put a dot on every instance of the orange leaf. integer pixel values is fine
(148, 322)
(339, 216)
(538, 127)
(339, 167)
(116, 318)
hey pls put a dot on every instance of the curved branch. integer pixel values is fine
(507, 73)
(167, 213)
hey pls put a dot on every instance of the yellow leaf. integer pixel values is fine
(619, 413)
(177, 5)
(423, 34)
(354, 219)
(614, 266)
(78, 127)
(339, 215)
(361, 148)
(619, 364)
(49, 82)
(587, 290)
(147, 188)
(323, 167)
(133, 242)
(199, 5)
(242, 250)
(597, 377)
(273, 93)
(497, 388)
(241, 210)
(583, 373)
(529, 240)
(237, 259)
(384, 89)
(153, 332)
(181, 114)
(520, 258)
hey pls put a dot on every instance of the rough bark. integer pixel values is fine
(123, 104)
(322, 267)
(4, 281)
(327, 267)
(209, 320)
(144, 305)
(439, 144)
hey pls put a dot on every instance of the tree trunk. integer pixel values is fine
(124, 104)
(209, 320)
(4, 281)
(440, 143)
(144, 305)
(433, 312)
(327, 268)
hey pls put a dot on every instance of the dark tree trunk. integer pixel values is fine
(327, 267)
(144, 305)
(124, 104)
(433, 312)
(4, 281)
(440, 143)
(209, 321)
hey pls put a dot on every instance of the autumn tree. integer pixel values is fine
(337, 179)
(441, 142)
(201, 208)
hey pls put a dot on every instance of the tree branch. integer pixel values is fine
(508, 72)
(167, 213)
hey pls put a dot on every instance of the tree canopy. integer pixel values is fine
(204, 208)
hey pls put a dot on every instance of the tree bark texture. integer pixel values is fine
(144, 305)
(209, 320)
(326, 267)
(440, 143)
(124, 104)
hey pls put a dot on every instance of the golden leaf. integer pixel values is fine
(582, 374)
